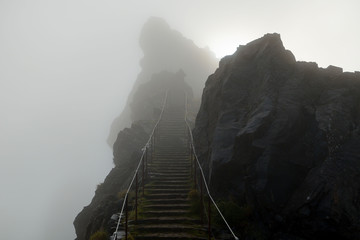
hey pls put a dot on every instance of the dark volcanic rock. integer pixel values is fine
(106, 200)
(146, 108)
(283, 137)
(166, 50)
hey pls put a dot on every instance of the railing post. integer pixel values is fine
(194, 173)
(201, 201)
(146, 161)
(185, 131)
(154, 138)
(143, 178)
(189, 147)
(209, 220)
(126, 218)
(191, 163)
(153, 147)
(150, 151)
(136, 198)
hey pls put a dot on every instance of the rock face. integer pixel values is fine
(107, 201)
(166, 50)
(284, 138)
(146, 99)
(145, 109)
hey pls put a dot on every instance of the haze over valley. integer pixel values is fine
(67, 69)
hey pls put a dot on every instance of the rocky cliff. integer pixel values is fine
(282, 138)
(145, 109)
(166, 49)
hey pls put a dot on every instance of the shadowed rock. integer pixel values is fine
(283, 137)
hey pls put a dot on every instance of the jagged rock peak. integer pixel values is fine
(283, 137)
(156, 35)
(268, 46)
(165, 49)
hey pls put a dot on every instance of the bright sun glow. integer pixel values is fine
(224, 48)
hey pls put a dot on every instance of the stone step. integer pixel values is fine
(174, 123)
(171, 154)
(169, 158)
(171, 133)
(175, 148)
(168, 236)
(161, 167)
(167, 201)
(164, 190)
(182, 151)
(165, 213)
(177, 157)
(169, 169)
(169, 165)
(172, 147)
(168, 130)
(167, 178)
(163, 206)
(167, 196)
(173, 162)
(156, 172)
(167, 186)
(167, 174)
(171, 142)
(171, 181)
(167, 220)
(169, 227)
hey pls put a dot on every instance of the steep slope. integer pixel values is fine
(127, 151)
(166, 50)
(166, 208)
(283, 137)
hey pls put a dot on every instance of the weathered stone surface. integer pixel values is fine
(166, 50)
(284, 136)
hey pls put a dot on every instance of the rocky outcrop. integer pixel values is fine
(107, 200)
(146, 99)
(166, 50)
(283, 137)
(145, 108)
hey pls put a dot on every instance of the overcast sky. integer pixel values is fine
(67, 66)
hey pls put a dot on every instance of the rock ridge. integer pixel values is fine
(166, 49)
(283, 136)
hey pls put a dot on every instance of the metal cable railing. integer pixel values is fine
(192, 148)
(141, 161)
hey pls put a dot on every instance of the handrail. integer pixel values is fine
(138, 166)
(202, 172)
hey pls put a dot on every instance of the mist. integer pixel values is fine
(67, 67)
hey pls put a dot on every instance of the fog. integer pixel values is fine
(67, 67)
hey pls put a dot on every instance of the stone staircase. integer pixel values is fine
(164, 212)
